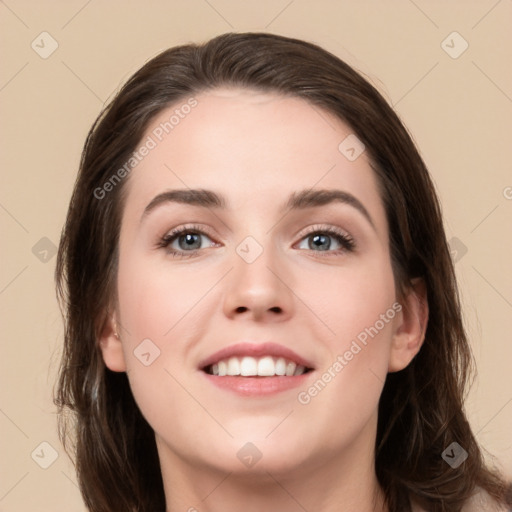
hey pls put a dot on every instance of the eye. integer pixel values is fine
(327, 239)
(184, 241)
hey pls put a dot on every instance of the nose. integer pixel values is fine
(260, 290)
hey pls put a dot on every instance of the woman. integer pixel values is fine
(261, 309)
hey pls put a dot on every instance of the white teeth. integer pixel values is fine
(233, 366)
(248, 367)
(281, 366)
(223, 368)
(266, 366)
(290, 369)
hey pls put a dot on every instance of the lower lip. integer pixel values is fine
(257, 386)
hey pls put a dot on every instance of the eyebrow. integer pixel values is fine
(307, 198)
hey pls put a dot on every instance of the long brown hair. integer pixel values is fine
(421, 407)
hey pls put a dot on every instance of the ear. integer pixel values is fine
(410, 327)
(111, 345)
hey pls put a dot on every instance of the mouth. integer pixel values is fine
(247, 366)
(251, 369)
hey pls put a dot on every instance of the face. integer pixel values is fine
(261, 276)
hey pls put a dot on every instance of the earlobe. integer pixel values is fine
(411, 326)
(111, 346)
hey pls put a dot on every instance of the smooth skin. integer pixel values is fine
(256, 149)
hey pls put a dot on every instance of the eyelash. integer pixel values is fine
(343, 238)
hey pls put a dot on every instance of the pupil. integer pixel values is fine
(318, 240)
(189, 238)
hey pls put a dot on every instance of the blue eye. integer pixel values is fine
(321, 241)
(188, 240)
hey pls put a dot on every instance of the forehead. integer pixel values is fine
(252, 146)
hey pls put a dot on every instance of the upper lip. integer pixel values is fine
(255, 350)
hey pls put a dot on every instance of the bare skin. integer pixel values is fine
(316, 453)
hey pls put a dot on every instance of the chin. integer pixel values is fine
(258, 453)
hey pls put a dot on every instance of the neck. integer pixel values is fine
(328, 483)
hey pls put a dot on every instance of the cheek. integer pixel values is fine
(153, 307)
(353, 299)
(156, 299)
(359, 307)
(160, 311)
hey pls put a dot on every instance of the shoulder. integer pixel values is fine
(479, 502)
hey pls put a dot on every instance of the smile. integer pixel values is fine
(266, 366)
(256, 369)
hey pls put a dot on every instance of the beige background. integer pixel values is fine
(459, 111)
